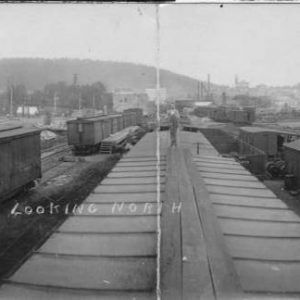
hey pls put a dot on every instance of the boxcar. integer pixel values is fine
(20, 159)
(120, 123)
(126, 120)
(106, 128)
(85, 134)
(269, 140)
(138, 112)
(130, 118)
(133, 119)
(114, 123)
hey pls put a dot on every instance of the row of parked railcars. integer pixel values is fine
(20, 159)
(85, 134)
(227, 114)
(238, 116)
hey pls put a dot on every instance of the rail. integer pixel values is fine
(50, 158)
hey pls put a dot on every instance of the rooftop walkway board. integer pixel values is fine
(261, 234)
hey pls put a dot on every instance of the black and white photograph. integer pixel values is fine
(150, 151)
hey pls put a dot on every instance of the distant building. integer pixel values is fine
(204, 108)
(203, 104)
(180, 104)
(152, 94)
(241, 86)
(127, 99)
(4, 103)
(27, 110)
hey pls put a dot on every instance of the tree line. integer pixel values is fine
(62, 95)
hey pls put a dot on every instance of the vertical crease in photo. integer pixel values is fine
(158, 200)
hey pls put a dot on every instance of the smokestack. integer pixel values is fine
(75, 79)
(236, 80)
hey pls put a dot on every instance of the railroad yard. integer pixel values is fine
(154, 222)
(150, 151)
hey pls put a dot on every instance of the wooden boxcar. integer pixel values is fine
(20, 159)
(138, 113)
(115, 123)
(230, 114)
(85, 134)
(120, 122)
(242, 116)
(269, 140)
(130, 118)
(126, 120)
(292, 158)
(106, 128)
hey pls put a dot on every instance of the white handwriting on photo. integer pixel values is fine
(93, 208)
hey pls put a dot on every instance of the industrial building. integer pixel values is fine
(180, 104)
(127, 99)
(153, 93)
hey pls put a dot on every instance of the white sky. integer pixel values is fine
(260, 43)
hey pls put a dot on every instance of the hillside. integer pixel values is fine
(34, 73)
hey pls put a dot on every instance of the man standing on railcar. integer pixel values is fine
(173, 117)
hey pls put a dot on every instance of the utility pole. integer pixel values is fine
(10, 88)
(77, 92)
(79, 102)
(28, 104)
(11, 99)
(23, 107)
(201, 91)
(55, 98)
(198, 90)
(94, 104)
(208, 86)
(75, 79)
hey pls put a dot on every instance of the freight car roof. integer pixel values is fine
(295, 145)
(9, 126)
(254, 129)
(92, 119)
(11, 134)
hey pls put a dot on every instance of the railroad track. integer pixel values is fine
(37, 229)
(56, 149)
(50, 157)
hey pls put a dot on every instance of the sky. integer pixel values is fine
(259, 43)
